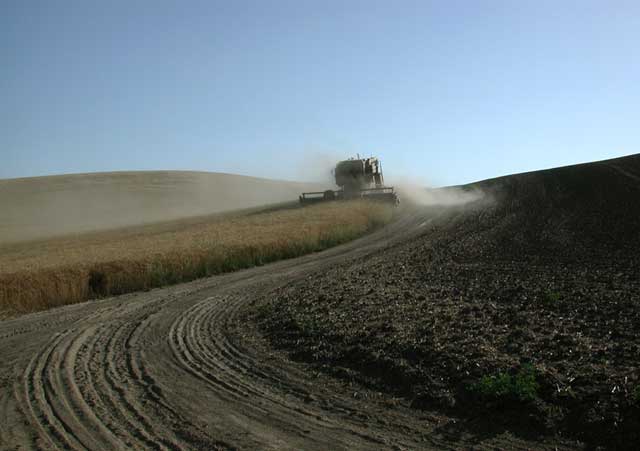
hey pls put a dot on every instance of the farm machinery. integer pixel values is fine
(358, 178)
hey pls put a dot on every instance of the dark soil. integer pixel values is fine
(547, 274)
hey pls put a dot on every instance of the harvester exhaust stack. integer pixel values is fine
(359, 178)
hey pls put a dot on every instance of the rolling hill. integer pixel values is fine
(42, 207)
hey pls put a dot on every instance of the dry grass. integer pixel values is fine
(40, 275)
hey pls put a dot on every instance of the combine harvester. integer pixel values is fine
(357, 179)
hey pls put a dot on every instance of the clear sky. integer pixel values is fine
(446, 91)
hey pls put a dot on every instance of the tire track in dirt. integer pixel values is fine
(84, 392)
(37, 395)
(211, 359)
(172, 369)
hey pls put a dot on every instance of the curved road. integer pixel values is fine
(175, 368)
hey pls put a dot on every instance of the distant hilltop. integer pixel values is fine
(42, 207)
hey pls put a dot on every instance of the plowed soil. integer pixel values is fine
(375, 341)
(546, 276)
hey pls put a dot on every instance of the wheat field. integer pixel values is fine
(43, 274)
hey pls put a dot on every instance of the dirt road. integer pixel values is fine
(174, 369)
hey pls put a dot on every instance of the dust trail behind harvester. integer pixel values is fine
(417, 193)
(320, 167)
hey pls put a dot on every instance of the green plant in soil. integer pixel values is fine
(522, 386)
(551, 298)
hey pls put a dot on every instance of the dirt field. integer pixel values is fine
(432, 325)
(544, 283)
(43, 207)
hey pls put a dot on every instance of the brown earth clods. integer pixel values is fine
(543, 280)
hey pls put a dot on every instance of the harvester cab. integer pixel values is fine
(358, 178)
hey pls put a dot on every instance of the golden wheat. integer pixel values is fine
(40, 275)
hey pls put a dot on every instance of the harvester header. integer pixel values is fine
(358, 178)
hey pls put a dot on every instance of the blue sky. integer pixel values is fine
(446, 92)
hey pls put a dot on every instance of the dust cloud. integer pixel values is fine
(317, 167)
(42, 207)
(421, 194)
